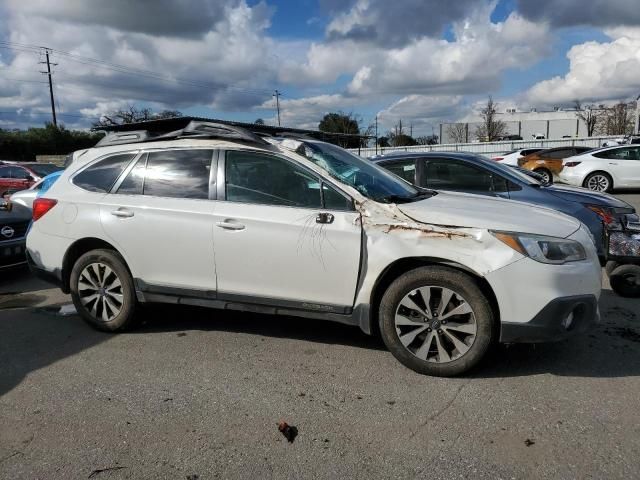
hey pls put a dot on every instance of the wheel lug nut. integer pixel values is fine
(444, 322)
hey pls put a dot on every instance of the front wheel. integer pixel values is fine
(436, 321)
(625, 280)
(546, 175)
(102, 290)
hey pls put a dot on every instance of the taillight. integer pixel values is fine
(41, 206)
(497, 159)
(572, 164)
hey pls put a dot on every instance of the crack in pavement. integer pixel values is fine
(435, 415)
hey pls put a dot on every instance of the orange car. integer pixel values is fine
(549, 162)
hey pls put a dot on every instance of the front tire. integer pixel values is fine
(598, 182)
(625, 280)
(102, 291)
(545, 174)
(436, 321)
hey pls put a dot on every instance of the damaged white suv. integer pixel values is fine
(213, 215)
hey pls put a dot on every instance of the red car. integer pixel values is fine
(20, 176)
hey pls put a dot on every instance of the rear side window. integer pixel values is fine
(177, 174)
(452, 175)
(101, 176)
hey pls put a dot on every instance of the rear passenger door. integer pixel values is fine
(283, 236)
(161, 215)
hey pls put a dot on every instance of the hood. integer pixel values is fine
(585, 196)
(478, 211)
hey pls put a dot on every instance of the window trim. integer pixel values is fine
(221, 189)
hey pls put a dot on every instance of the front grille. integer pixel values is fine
(19, 230)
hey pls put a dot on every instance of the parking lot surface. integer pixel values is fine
(198, 393)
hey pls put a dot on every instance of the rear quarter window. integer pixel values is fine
(101, 176)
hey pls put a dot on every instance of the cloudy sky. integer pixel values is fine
(422, 61)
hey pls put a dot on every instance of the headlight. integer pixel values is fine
(543, 249)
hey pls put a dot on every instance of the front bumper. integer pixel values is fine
(560, 319)
(568, 175)
(12, 253)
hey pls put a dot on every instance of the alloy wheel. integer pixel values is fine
(100, 291)
(598, 183)
(435, 324)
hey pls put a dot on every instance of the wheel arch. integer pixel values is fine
(403, 265)
(79, 248)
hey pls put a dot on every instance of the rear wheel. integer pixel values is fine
(102, 290)
(625, 280)
(546, 175)
(436, 321)
(598, 182)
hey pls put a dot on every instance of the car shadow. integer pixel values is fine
(169, 318)
(33, 338)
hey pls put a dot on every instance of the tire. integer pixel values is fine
(546, 174)
(625, 280)
(610, 267)
(424, 352)
(598, 182)
(95, 292)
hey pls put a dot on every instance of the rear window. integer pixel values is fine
(101, 176)
(42, 170)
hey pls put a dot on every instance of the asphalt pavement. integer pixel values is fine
(197, 394)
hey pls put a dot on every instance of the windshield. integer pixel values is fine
(44, 169)
(369, 179)
(514, 173)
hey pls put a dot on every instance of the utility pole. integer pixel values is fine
(638, 115)
(411, 130)
(277, 95)
(48, 73)
(376, 134)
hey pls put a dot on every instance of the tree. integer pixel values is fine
(617, 119)
(427, 140)
(398, 137)
(259, 121)
(457, 132)
(590, 115)
(344, 123)
(133, 115)
(491, 128)
(383, 142)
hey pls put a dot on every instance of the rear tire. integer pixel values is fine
(546, 174)
(625, 281)
(102, 291)
(598, 182)
(420, 328)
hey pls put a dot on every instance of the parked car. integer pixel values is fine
(213, 215)
(26, 197)
(14, 222)
(511, 158)
(548, 163)
(604, 169)
(467, 172)
(21, 176)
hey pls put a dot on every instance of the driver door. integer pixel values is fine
(283, 236)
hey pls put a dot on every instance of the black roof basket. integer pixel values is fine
(194, 129)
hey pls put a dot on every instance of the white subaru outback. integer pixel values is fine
(216, 216)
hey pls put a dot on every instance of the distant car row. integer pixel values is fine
(600, 169)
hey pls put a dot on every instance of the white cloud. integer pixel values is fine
(597, 71)
(421, 111)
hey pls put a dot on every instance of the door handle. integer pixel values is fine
(229, 225)
(612, 163)
(324, 218)
(122, 213)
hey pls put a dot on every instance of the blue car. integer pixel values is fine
(470, 173)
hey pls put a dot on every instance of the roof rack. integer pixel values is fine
(193, 129)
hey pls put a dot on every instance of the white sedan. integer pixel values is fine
(604, 169)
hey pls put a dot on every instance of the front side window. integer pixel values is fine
(101, 176)
(453, 175)
(627, 153)
(20, 173)
(176, 174)
(268, 180)
(405, 169)
(5, 172)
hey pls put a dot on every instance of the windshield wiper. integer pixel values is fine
(419, 195)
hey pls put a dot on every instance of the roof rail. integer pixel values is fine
(194, 129)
